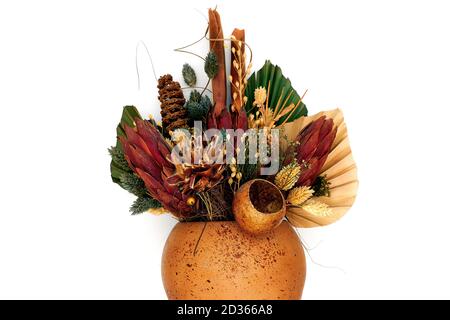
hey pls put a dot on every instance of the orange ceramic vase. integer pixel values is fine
(218, 260)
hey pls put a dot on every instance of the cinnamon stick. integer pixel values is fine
(219, 84)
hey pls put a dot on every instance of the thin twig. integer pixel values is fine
(137, 65)
(199, 238)
(192, 53)
(202, 88)
(202, 14)
(302, 241)
(229, 39)
(206, 87)
(181, 49)
(195, 42)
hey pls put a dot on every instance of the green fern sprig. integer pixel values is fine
(133, 184)
(143, 204)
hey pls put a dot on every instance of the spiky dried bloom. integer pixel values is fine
(317, 208)
(197, 178)
(147, 155)
(288, 176)
(299, 195)
(193, 176)
(313, 146)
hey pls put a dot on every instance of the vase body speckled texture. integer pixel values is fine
(220, 261)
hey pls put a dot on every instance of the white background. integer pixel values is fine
(67, 68)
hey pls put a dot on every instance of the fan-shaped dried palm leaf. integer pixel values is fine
(339, 168)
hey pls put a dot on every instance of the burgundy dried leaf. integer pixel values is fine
(146, 152)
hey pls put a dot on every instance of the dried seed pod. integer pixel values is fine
(238, 71)
(259, 206)
(238, 79)
(189, 75)
(211, 65)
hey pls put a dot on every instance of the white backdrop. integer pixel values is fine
(67, 68)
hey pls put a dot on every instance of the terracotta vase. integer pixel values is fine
(217, 260)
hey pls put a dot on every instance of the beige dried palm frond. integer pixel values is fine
(339, 168)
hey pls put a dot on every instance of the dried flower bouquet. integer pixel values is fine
(258, 160)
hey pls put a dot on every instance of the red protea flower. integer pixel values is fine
(147, 152)
(313, 146)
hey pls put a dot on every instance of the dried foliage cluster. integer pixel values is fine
(317, 177)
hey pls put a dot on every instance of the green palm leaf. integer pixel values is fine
(129, 115)
(280, 88)
(118, 169)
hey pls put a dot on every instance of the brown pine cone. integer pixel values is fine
(174, 114)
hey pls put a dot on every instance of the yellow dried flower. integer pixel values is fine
(288, 176)
(190, 201)
(260, 96)
(299, 195)
(317, 208)
(157, 211)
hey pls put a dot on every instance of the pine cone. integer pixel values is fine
(173, 113)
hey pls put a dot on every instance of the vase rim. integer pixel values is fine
(216, 222)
